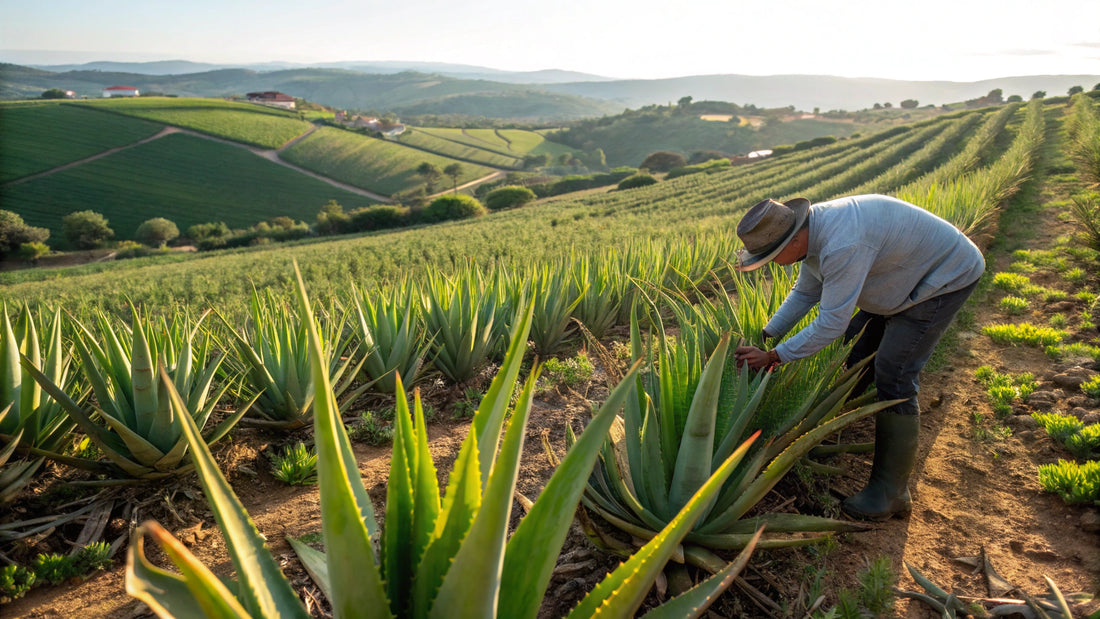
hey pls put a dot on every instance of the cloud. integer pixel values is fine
(1093, 44)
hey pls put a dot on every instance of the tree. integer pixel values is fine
(878, 106)
(703, 156)
(684, 102)
(14, 232)
(156, 232)
(1014, 99)
(1075, 89)
(332, 219)
(995, 96)
(454, 170)
(54, 93)
(86, 229)
(1096, 87)
(909, 104)
(1039, 94)
(663, 161)
(430, 173)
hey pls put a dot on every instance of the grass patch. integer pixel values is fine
(1025, 333)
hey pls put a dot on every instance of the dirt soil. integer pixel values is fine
(971, 494)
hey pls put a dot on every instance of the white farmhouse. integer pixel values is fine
(119, 91)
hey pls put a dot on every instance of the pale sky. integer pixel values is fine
(958, 40)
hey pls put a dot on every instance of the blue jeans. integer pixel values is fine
(904, 342)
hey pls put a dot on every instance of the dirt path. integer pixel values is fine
(156, 136)
(476, 181)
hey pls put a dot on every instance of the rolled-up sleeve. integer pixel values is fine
(843, 274)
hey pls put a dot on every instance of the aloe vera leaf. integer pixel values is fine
(425, 486)
(473, 582)
(622, 592)
(396, 549)
(783, 463)
(693, 460)
(315, 563)
(347, 518)
(532, 551)
(198, 593)
(262, 588)
(488, 425)
(694, 602)
(460, 504)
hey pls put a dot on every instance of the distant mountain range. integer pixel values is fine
(442, 88)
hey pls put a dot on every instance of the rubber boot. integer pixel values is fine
(887, 492)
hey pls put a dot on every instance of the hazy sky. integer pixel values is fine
(960, 40)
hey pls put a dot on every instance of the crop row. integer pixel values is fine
(41, 137)
(377, 165)
(247, 123)
(426, 140)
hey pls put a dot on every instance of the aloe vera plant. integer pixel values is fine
(556, 292)
(436, 557)
(273, 355)
(139, 433)
(393, 338)
(30, 419)
(683, 417)
(463, 315)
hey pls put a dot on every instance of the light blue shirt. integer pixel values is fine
(875, 253)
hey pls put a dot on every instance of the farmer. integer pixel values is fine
(907, 272)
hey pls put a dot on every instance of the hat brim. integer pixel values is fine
(751, 262)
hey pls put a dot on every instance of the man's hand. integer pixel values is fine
(756, 358)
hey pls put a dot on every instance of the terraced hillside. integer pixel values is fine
(378, 165)
(184, 178)
(702, 207)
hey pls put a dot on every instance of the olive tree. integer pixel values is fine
(156, 232)
(86, 229)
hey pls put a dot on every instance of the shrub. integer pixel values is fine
(332, 219)
(638, 180)
(378, 217)
(31, 252)
(703, 156)
(86, 229)
(14, 232)
(508, 197)
(663, 161)
(454, 206)
(202, 232)
(156, 232)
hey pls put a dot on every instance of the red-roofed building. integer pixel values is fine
(272, 98)
(120, 91)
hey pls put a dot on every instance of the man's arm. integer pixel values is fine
(800, 300)
(843, 274)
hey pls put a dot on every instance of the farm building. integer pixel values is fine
(119, 91)
(272, 98)
(387, 129)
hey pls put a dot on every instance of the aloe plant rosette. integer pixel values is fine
(29, 419)
(139, 433)
(448, 557)
(682, 419)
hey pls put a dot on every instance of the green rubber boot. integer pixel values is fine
(887, 492)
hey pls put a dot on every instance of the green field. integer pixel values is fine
(697, 207)
(530, 143)
(376, 165)
(425, 139)
(183, 178)
(247, 123)
(38, 137)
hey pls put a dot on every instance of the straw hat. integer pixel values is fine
(767, 228)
